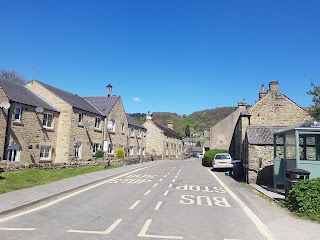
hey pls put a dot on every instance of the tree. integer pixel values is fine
(12, 76)
(198, 144)
(187, 131)
(314, 111)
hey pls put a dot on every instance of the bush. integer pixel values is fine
(120, 153)
(209, 155)
(99, 154)
(304, 197)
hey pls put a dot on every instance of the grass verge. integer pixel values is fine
(11, 181)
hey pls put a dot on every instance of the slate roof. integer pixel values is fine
(133, 122)
(72, 99)
(168, 132)
(21, 94)
(103, 103)
(262, 135)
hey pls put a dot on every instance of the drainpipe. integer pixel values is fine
(6, 138)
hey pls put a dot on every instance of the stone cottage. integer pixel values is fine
(271, 111)
(28, 125)
(162, 142)
(80, 127)
(136, 138)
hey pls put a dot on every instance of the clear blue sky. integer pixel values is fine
(165, 55)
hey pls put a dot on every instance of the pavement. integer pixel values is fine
(20, 199)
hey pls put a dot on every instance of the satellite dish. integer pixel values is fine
(5, 105)
(39, 109)
(88, 126)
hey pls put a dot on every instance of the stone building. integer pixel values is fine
(136, 138)
(162, 141)
(28, 125)
(80, 127)
(272, 110)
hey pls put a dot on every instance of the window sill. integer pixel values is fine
(80, 125)
(48, 129)
(97, 130)
(17, 123)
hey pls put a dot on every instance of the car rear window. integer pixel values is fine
(222, 157)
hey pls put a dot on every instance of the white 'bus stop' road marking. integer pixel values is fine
(70, 195)
(17, 229)
(259, 224)
(108, 231)
(145, 228)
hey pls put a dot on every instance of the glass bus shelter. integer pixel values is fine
(296, 147)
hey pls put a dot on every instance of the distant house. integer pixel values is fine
(162, 141)
(28, 125)
(136, 139)
(80, 127)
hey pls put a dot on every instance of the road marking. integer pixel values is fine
(158, 206)
(259, 224)
(71, 195)
(176, 176)
(165, 176)
(108, 231)
(170, 186)
(145, 228)
(147, 192)
(17, 229)
(156, 184)
(160, 179)
(173, 180)
(135, 204)
(166, 193)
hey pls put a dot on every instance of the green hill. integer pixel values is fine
(199, 122)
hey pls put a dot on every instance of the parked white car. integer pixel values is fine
(200, 155)
(222, 160)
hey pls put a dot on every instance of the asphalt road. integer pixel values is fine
(169, 200)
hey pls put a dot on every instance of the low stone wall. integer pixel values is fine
(8, 166)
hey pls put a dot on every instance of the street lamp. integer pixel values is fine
(109, 89)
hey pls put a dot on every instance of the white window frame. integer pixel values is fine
(110, 149)
(45, 152)
(46, 120)
(131, 150)
(96, 147)
(122, 127)
(97, 123)
(14, 153)
(77, 150)
(17, 114)
(80, 118)
(138, 151)
(131, 131)
(139, 133)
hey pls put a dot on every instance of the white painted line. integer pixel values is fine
(160, 179)
(108, 231)
(259, 224)
(158, 206)
(165, 175)
(70, 195)
(169, 172)
(17, 229)
(145, 228)
(135, 204)
(155, 185)
(166, 193)
(170, 186)
(147, 192)
(176, 177)
(173, 180)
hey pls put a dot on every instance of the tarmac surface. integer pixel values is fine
(17, 200)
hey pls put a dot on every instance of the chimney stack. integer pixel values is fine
(170, 125)
(149, 117)
(274, 86)
(262, 93)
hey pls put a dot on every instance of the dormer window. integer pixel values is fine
(17, 114)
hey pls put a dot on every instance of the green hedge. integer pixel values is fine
(209, 155)
(304, 198)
